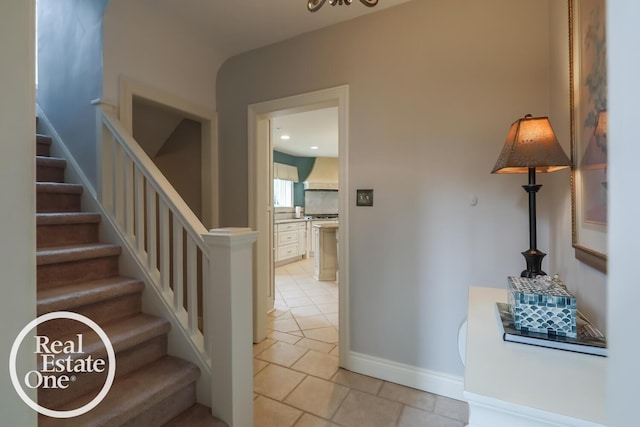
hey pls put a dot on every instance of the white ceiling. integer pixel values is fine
(317, 128)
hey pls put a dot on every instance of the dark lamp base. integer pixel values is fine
(534, 263)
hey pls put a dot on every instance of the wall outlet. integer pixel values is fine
(364, 198)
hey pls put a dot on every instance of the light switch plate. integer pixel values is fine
(364, 198)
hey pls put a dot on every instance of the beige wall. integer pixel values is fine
(144, 44)
(152, 126)
(434, 86)
(179, 161)
(17, 189)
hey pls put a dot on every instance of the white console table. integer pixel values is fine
(511, 384)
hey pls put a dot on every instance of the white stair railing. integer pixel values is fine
(210, 298)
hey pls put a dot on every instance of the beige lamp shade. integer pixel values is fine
(531, 143)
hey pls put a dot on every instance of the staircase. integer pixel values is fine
(78, 273)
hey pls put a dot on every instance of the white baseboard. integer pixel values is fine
(411, 376)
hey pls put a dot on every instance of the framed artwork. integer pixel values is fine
(588, 85)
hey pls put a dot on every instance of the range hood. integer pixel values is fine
(324, 175)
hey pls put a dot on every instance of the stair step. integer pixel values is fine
(66, 228)
(60, 254)
(102, 301)
(57, 197)
(77, 263)
(50, 169)
(64, 218)
(71, 297)
(150, 396)
(43, 145)
(137, 342)
(196, 416)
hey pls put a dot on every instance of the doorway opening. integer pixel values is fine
(261, 209)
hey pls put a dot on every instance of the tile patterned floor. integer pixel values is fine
(297, 381)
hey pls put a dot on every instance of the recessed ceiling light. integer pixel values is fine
(314, 147)
(285, 137)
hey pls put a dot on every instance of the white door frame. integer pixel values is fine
(208, 120)
(260, 188)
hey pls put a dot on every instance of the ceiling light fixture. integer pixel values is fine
(285, 137)
(314, 147)
(315, 5)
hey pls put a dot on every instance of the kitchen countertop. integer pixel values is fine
(327, 225)
(284, 221)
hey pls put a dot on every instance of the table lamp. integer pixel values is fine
(531, 147)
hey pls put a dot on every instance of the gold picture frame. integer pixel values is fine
(588, 89)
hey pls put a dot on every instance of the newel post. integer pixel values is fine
(228, 323)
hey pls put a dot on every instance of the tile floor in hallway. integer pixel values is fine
(297, 381)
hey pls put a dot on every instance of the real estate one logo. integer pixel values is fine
(61, 361)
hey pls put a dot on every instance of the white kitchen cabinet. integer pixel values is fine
(290, 241)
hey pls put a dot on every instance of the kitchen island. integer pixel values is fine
(326, 251)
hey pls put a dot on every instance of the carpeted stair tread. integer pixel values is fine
(43, 139)
(67, 228)
(63, 218)
(50, 161)
(123, 334)
(60, 254)
(57, 196)
(50, 169)
(67, 297)
(196, 416)
(133, 394)
(58, 187)
(43, 145)
(129, 332)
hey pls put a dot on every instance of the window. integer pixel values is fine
(283, 178)
(282, 193)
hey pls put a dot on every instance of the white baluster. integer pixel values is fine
(178, 265)
(152, 248)
(129, 195)
(165, 247)
(192, 284)
(118, 190)
(139, 208)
